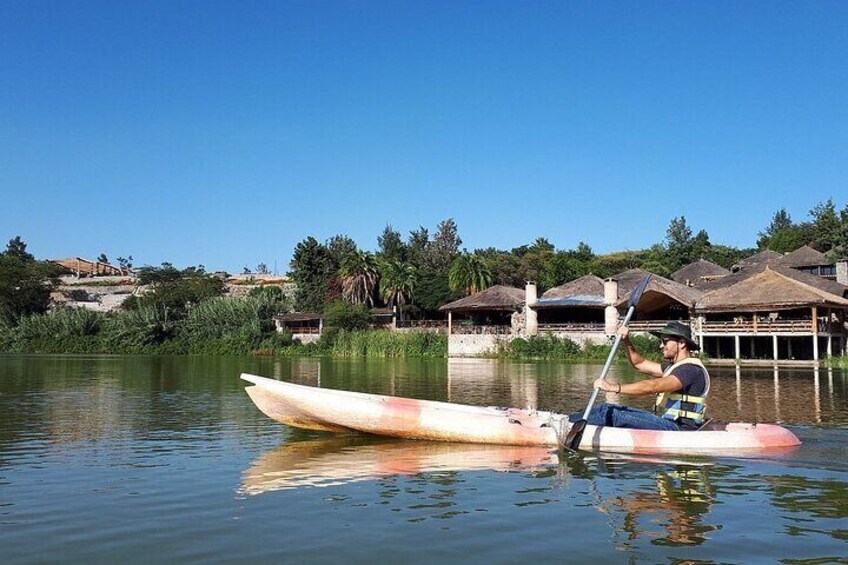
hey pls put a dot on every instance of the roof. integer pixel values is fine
(659, 292)
(498, 297)
(760, 258)
(588, 285)
(804, 256)
(697, 272)
(299, 317)
(587, 300)
(771, 289)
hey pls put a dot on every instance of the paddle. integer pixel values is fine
(575, 434)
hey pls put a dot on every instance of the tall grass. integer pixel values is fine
(64, 331)
(375, 343)
(546, 346)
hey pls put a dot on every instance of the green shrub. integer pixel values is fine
(346, 316)
(544, 346)
(143, 330)
(67, 330)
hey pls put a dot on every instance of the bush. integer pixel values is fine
(143, 330)
(543, 346)
(66, 330)
(343, 315)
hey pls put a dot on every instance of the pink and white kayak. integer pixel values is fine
(342, 411)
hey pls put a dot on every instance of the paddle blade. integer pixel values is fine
(574, 435)
(637, 292)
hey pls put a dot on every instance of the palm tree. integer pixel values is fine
(469, 273)
(397, 281)
(359, 276)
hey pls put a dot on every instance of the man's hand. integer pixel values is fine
(624, 332)
(607, 386)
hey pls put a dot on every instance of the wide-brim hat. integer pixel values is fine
(679, 331)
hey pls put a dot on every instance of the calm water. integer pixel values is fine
(140, 459)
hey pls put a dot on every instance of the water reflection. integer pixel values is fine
(339, 460)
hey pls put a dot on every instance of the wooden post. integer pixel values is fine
(450, 322)
(736, 343)
(815, 333)
(755, 323)
(774, 345)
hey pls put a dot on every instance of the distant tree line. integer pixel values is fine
(424, 271)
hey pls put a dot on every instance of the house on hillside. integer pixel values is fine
(87, 268)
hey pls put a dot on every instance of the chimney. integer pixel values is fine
(842, 272)
(531, 319)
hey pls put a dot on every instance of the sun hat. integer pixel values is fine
(677, 330)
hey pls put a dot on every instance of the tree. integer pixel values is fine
(469, 274)
(827, 227)
(25, 284)
(174, 290)
(125, 262)
(418, 246)
(397, 282)
(780, 221)
(262, 269)
(445, 246)
(360, 276)
(309, 271)
(102, 258)
(391, 245)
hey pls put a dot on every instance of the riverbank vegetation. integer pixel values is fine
(186, 311)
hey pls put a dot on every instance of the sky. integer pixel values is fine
(223, 133)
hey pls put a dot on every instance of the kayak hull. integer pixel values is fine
(343, 411)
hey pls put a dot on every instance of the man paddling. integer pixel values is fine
(681, 383)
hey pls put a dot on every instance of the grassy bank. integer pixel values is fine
(243, 326)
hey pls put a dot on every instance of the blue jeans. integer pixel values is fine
(625, 417)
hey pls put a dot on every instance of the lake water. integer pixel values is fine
(163, 459)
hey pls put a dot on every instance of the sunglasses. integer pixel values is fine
(665, 340)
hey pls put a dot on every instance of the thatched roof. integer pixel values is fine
(299, 317)
(804, 256)
(770, 289)
(498, 297)
(761, 258)
(698, 272)
(659, 293)
(588, 291)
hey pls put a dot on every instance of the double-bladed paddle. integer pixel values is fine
(575, 434)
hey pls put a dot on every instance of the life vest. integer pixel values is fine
(673, 405)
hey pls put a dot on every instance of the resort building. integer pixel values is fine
(769, 307)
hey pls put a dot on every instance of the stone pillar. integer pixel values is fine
(774, 346)
(450, 322)
(842, 272)
(736, 343)
(610, 311)
(531, 318)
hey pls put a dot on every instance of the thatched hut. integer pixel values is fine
(773, 312)
(580, 301)
(698, 272)
(756, 260)
(298, 323)
(808, 260)
(662, 300)
(490, 310)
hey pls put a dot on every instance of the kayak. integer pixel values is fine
(341, 411)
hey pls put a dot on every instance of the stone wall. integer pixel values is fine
(475, 345)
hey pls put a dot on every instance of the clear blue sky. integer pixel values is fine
(222, 133)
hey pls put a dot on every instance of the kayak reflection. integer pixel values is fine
(344, 459)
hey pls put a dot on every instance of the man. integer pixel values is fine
(681, 383)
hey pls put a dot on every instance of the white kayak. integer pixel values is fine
(343, 411)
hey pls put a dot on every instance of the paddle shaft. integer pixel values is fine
(609, 362)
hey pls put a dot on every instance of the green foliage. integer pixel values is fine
(397, 282)
(228, 325)
(391, 246)
(175, 291)
(343, 315)
(141, 330)
(360, 277)
(381, 343)
(543, 346)
(310, 269)
(25, 284)
(65, 331)
(469, 273)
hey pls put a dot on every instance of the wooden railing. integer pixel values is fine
(571, 327)
(422, 324)
(295, 331)
(767, 326)
(480, 330)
